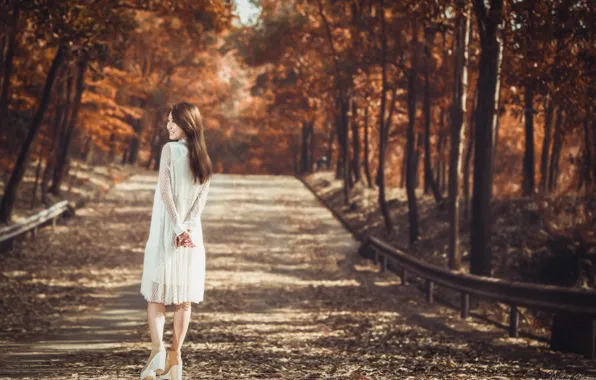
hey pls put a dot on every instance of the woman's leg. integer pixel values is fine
(156, 317)
(180, 327)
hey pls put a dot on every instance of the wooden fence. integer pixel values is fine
(31, 224)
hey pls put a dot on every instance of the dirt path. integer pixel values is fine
(286, 298)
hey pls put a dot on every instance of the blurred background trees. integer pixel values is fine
(443, 98)
(498, 94)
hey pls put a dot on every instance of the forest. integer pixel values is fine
(474, 118)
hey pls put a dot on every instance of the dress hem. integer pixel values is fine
(197, 301)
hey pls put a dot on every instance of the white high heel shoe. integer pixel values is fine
(157, 362)
(174, 372)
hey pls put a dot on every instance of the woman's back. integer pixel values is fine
(189, 196)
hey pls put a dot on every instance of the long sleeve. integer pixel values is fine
(165, 188)
(198, 205)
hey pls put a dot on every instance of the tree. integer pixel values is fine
(7, 67)
(60, 170)
(410, 149)
(382, 124)
(489, 27)
(10, 191)
(462, 36)
(429, 182)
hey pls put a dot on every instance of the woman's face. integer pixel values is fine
(174, 130)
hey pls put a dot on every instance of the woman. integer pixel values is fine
(174, 263)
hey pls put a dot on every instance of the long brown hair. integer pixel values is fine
(188, 117)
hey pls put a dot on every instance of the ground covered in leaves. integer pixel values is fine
(287, 297)
(44, 278)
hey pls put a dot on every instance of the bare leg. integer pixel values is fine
(156, 319)
(156, 316)
(180, 327)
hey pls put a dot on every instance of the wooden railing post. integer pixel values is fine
(430, 287)
(513, 322)
(383, 264)
(404, 276)
(465, 305)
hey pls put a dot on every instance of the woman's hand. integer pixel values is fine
(184, 240)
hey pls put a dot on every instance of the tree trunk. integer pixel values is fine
(304, 148)
(556, 152)
(60, 142)
(7, 71)
(3, 44)
(311, 145)
(124, 157)
(62, 169)
(590, 141)
(443, 168)
(441, 143)
(528, 165)
(10, 191)
(546, 142)
(411, 160)
(295, 145)
(467, 160)
(404, 165)
(462, 31)
(86, 149)
(340, 146)
(58, 131)
(355, 143)
(154, 146)
(135, 142)
(346, 121)
(112, 151)
(386, 127)
(419, 147)
(366, 149)
(37, 177)
(382, 136)
(63, 162)
(339, 164)
(489, 25)
(498, 110)
(429, 183)
(585, 173)
(438, 158)
(330, 145)
(157, 160)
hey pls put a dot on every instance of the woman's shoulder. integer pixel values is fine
(168, 146)
(175, 147)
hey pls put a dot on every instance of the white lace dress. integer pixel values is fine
(174, 275)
